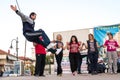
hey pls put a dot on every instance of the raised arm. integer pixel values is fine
(86, 46)
(98, 46)
(80, 45)
(67, 45)
(24, 17)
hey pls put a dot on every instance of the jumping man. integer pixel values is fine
(30, 34)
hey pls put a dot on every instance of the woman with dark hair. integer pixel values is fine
(92, 47)
(73, 47)
(111, 45)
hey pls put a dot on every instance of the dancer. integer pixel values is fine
(29, 32)
(73, 48)
(59, 54)
(111, 45)
(92, 47)
(40, 59)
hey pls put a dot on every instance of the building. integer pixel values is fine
(6, 60)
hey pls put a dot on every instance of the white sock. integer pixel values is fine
(51, 45)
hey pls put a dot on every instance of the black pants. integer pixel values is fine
(59, 60)
(93, 59)
(80, 61)
(73, 57)
(118, 65)
(34, 37)
(40, 64)
(101, 68)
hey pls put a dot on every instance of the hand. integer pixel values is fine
(79, 42)
(34, 44)
(83, 43)
(101, 46)
(67, 43)
(81, 49)
(14, 8)
(53, 41)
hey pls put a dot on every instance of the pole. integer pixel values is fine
(16, 40)
(25, 48)
(18, 5)
(17, 52)
(25, 54)
(17, 48)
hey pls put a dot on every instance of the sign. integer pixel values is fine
(100, 32)
(18, 67)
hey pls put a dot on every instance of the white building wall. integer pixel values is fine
(82, 35)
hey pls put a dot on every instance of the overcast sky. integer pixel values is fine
(55, 16)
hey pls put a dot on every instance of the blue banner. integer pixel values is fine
(100, 32)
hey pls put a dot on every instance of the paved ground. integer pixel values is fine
(67, 77)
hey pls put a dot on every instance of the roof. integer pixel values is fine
(6, 53)
(1, 64)
(24, 58)
(3, 52)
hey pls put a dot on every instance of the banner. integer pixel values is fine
(100, 32)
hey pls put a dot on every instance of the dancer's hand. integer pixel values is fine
(14, 8)
(67, 43)
(83, 44)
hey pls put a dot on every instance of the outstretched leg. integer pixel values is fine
(45, 38)
(40, 37)
(35, 37)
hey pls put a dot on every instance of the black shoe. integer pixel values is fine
(42, 75)
(94, 73)
(52, 50)
(36, 75)
(79, 73)
(89, 72)
(59, 75)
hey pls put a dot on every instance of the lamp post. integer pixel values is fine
(16, 46)
(16, 40)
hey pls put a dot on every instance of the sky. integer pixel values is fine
(54, 16)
